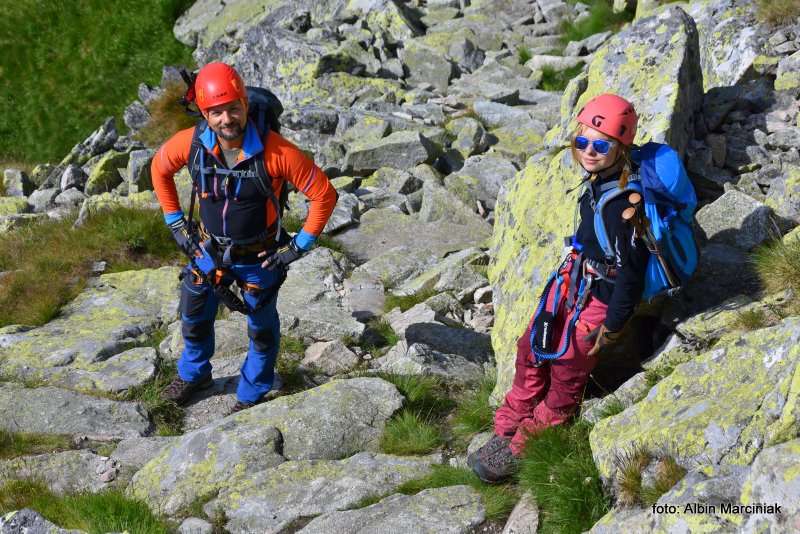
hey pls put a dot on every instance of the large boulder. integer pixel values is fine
(30, 521)
(59, 411)
(774, 479)
(655, 63)
(330, 422)
(105, 174)
(309, 303)
(64, 472)
(756, 372)
(451, 510)
(17, 183)
(480, 179)
(272, 499)
(736, 219)
(116, 313)
(385, 228)
(400, 150)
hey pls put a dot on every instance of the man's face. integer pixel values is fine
(227, 120)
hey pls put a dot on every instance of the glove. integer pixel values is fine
(283, 256)
(601, 337)
(204, 261)
(182, 235)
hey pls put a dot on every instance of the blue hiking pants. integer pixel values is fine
(198, 307)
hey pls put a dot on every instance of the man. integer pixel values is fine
(239, 229)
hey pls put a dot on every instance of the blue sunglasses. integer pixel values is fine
(601, 146)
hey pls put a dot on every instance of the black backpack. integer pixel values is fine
(264, 110)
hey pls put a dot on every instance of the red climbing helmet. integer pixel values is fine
(612, 115)
(218, 83)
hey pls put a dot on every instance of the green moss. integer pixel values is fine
(406, 302)
(13, 206)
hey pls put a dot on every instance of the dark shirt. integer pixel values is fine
(631, 255)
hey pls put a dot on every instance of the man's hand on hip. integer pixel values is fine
(282, 257)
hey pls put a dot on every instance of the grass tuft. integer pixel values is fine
(473, 412)
(378, 335)
(167, 416)
(778, 11)
(74, 64)
(423, 394)
(524, 54)
(601, 18)
(406, 302)
(631, 465)
(50, 261)
(14, 444)
(109, 511)
(288, 363)
(557, 80)
(410, 433)
(750, 320)
(611, 407)
(557, 467)
(167, 116)
(778, 265)
(498, 500)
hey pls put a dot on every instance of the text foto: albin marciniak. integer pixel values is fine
(724, 508)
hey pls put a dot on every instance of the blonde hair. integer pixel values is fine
(624, 154)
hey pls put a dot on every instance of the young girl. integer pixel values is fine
(548, 392)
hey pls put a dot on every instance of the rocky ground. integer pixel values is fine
(451, 168)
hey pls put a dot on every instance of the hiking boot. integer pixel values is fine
(496, 467)
(179, 390)
(494, 444)
(239, 406)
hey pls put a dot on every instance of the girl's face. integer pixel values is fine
(592, 160)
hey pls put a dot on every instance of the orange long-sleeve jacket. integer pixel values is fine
(232, 207)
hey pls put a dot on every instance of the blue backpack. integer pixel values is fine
(669, 205)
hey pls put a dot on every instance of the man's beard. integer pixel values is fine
(234, 133)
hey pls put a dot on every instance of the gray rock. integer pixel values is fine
(470, 138)
(393, 180)
(441, 204)
(396, 265)
(419, 313)
(70, 198)
(718, 149)
(59, 411)
(452, 274)
(495, 82)
(28, 521)
(305, 488)
(364, 295)
(454, 509)
(100, 141)
(116, 374)
(120, 307)
(588, 45)
(426, 64)
(43, 199)
(330, 358)
(465, 53)
(105, 175)
(309, 304)
(64, 472)
(524, 518)
(787, 78)
(332, 421)
(401, 150)
(136, 116)
(421, 359)
(480, 179)
(784, 193)
(737, 220)
(558, 63)
(774, 479)
(138, 175)
(73, 176)
(194, 525)
(345, 213)
(371, 197)
(381, 229)
(494, 115)
(17, 183)
(132, 454)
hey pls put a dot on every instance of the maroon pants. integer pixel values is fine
(549, 395)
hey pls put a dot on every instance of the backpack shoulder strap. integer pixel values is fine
(194, 162)
(607, 195)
